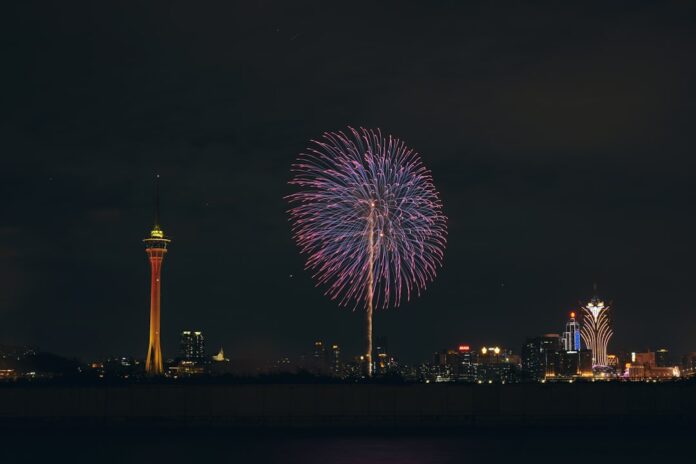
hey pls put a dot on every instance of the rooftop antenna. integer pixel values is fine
(157, 202)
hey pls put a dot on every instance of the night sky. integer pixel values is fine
(561, 139)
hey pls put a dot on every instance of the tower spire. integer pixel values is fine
(157, 228)
(157, 202)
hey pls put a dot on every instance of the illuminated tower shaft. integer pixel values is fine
(153, 364)
(156, 248)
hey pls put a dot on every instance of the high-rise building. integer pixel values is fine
(554, 362)
(689, 364)
(497, 364)
(644, 366)
(569, 363)
(541, 356)
(318, 352)
(467, 363)
(440, 358)
(624, 360)
(319, 362)
(662, 358)
(192, 346)
(571, 335)
(647, 359)
(596, 330)
(586, 362)
(156, 248)
(380, 356)
(381, 346)
(335, 361)
(451, 367)
(490, 355)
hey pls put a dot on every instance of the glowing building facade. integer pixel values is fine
(335, 360)
(571, 335)
(156, 248)
(541, 357)
(192, 346)
(596, 330)
(466, 363)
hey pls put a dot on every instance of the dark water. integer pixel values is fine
(156, 445)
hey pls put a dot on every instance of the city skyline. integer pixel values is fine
(154, 352)
(569, 340)
(596, 328)
(559, 140)
(579, 353)
(389, 232)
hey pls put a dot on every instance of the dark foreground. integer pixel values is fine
(645, 444)
(429, 424)
(352, 405)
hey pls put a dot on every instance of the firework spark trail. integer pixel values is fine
(368, 217)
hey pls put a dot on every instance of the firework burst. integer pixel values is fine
(368, 218)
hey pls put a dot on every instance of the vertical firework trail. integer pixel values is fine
(369, 219)
(370, 284)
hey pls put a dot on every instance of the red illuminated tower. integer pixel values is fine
(156, 248)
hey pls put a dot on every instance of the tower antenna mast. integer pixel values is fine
(157, 201)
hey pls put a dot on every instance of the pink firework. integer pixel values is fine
(368, 217)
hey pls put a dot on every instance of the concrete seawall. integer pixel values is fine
(354, 405)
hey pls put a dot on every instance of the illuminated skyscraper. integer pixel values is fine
(596, 330)
(319, 362)
(335, 360)
(541, 357)
(319, 353)
(571, 335)
(192, 346)
(156, 248)
(467, 362)
(496, 364)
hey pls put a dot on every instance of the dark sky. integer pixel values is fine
(561, 138)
